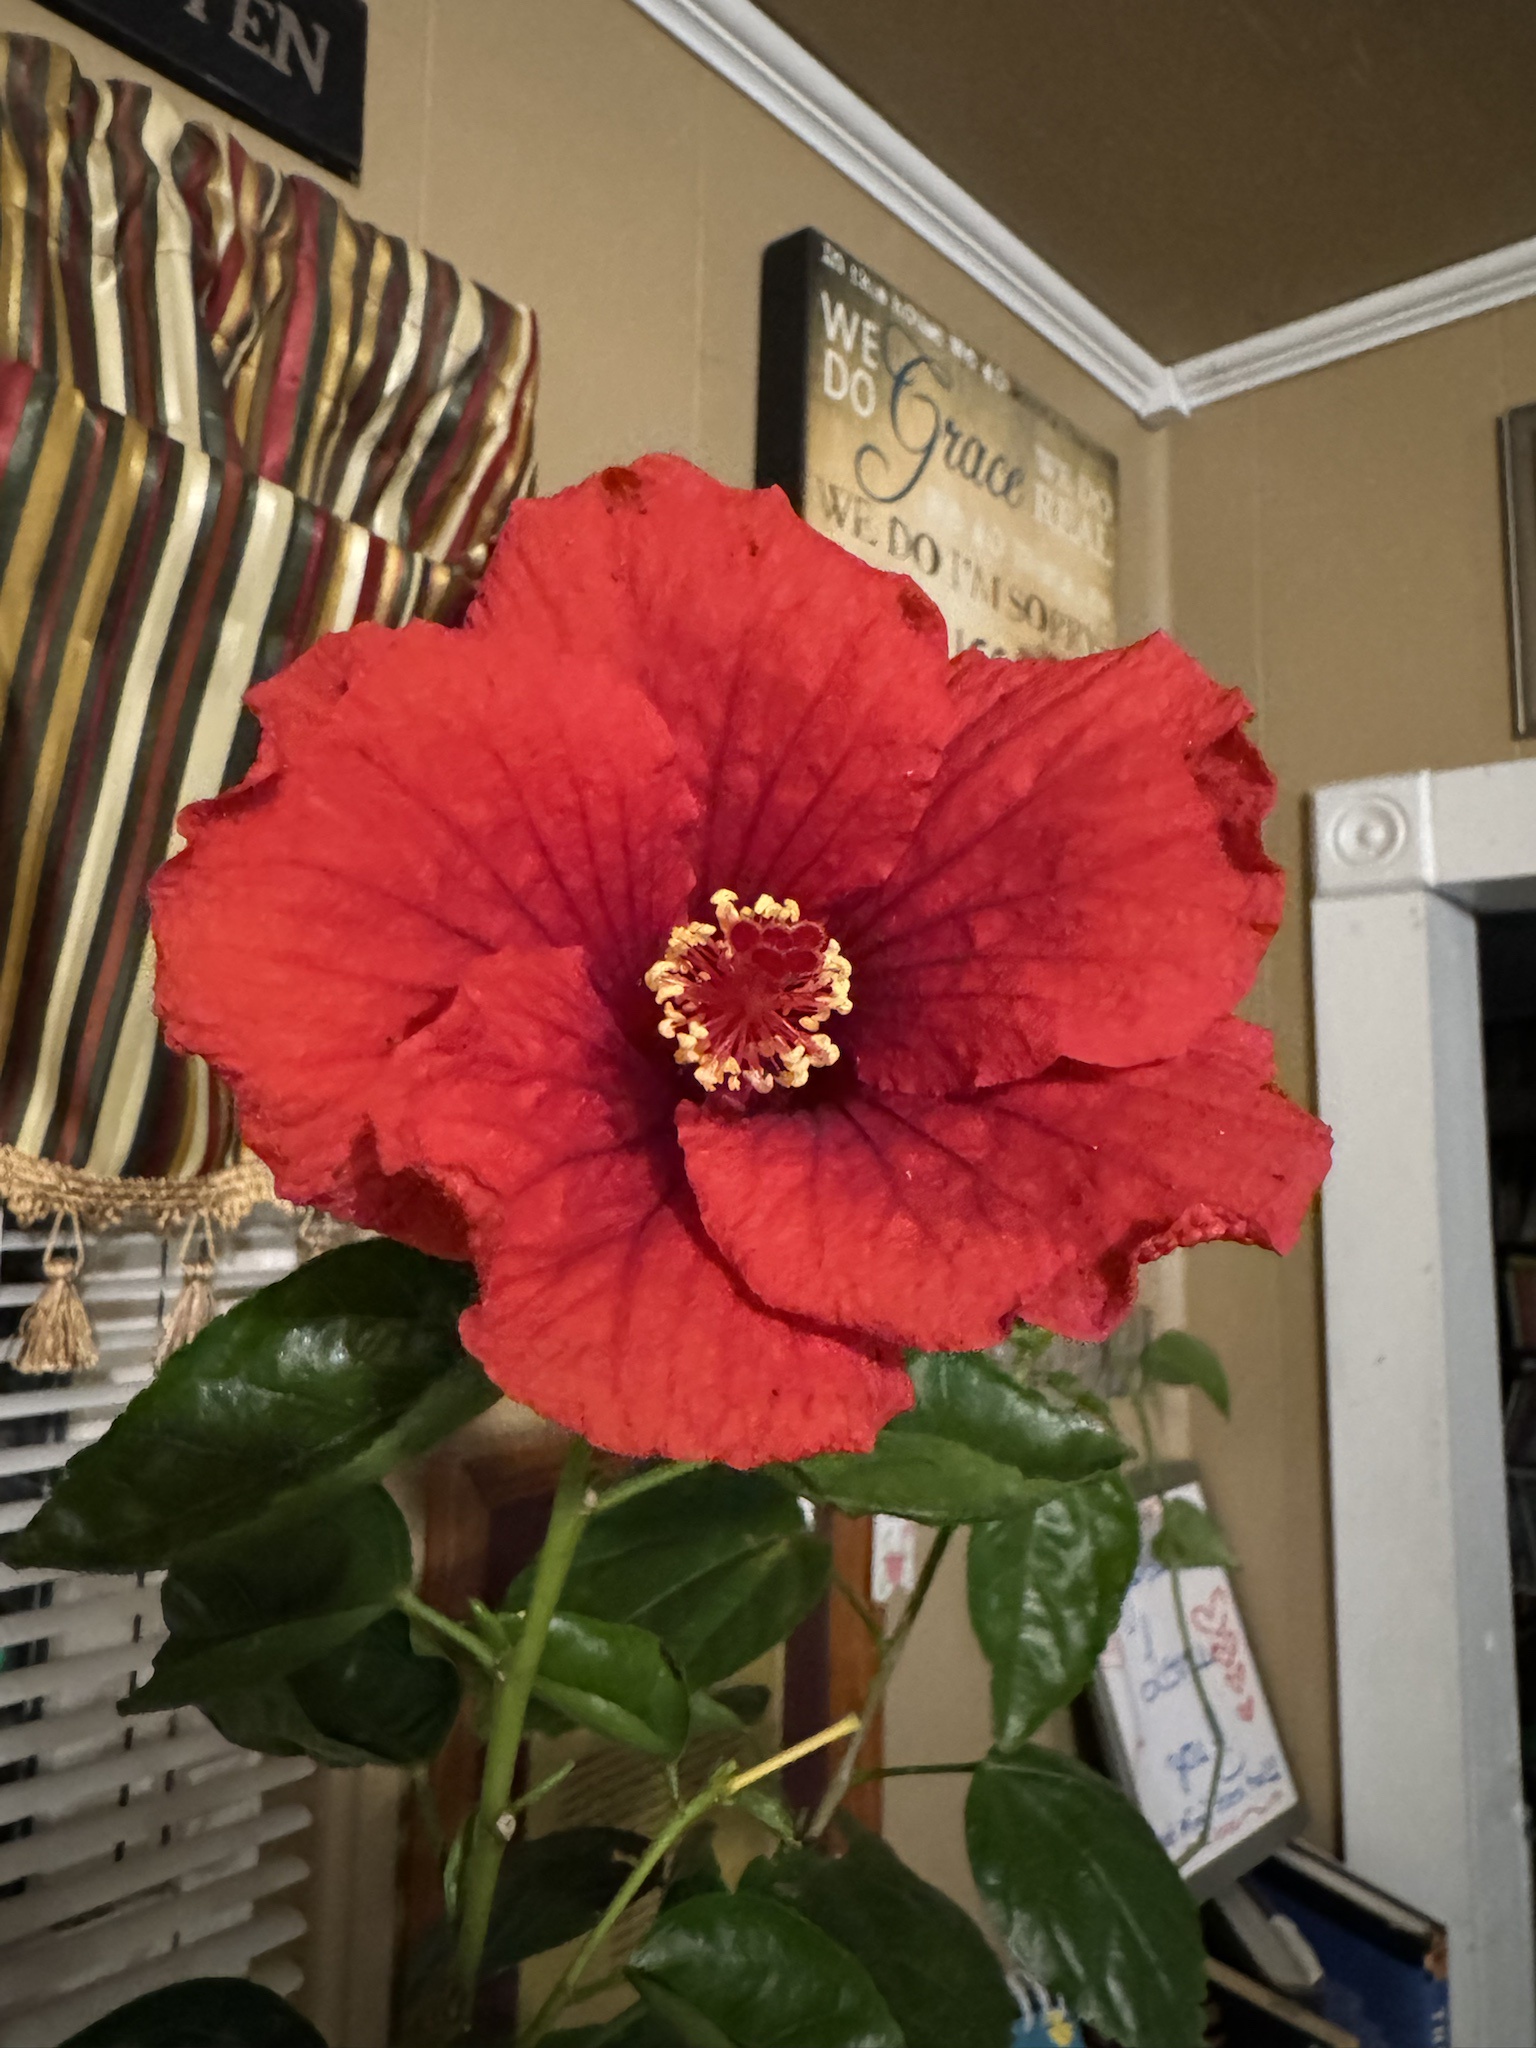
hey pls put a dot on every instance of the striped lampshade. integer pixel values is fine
(232, 419)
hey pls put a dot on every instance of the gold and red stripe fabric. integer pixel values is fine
(232, 419)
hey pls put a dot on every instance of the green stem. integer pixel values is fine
(630, 1489)
(916, 1771)
(509, 1706)
(860, 1606)
(559, 1998)
(1218, 1735)
(723, 1785)
(417, 1610)
(1212, 1721)
(890, 1655)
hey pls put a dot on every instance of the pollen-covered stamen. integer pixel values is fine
(744, 1000)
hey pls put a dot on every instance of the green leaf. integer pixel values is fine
(977, 1445)
(760, 1975)
(1088, 1901)
(719, 1564)
(1179, 1360)
(727, 1710)
(550, 1889)
(927, 1958)
(1046, 1590)
(693, 1868)
(554, 1888)
(747, 1703)
(205, 2012)
(615, 1678)
(253, 1605)
(768, 1810)
(317, 1384)
(372, 1700)
(1189, 1536)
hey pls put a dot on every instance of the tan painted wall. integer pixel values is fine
(1337, 551)
(569, 153)
(1334, 546)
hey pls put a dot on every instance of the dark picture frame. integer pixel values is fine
(1517, 462)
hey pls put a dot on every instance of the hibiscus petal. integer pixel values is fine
(1088, 881)
(414, 807)
(805, 689)
(602, 1303)
(937, 1223)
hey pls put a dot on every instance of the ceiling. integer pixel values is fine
(1207, 169)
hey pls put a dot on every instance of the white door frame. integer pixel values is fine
(1429, 1732)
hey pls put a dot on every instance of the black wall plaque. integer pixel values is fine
(292, 68)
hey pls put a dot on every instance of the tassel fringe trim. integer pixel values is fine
(33, 1189)
(55, 1333)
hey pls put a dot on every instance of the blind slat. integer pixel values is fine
(52, 1792)
(74, 1840)
(137, 1851)
(60, 1676)
(62, 1616)
(220, 1955)
(21, 1460)
(45, 1738)
(142, 1870)
(85, 1397)
(79, 1955)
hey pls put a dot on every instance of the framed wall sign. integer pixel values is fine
(1155, 1728)
(896, 437)
(1517, 449)
(295, 69)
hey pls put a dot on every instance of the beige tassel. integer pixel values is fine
(55, 1333)
(195, 1308)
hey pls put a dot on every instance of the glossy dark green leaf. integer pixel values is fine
(1179, 1360)
(976, 1445)
(373, 1700)
(927, 1958)
(1087, 1899)
(205, 2012)
(319, 1383)
(1046, 1590)
(554, 1888)
(253, 1605)
(616, 1679)
(550, 1889)
(748, 1703)
(759, 1974)
(727, 1709)
(693, 1868)
(719, 1564)
(1189, 1536)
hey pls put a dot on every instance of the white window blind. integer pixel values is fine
(132, 1853)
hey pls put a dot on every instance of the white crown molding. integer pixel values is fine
(737, 40)
(1433, 300)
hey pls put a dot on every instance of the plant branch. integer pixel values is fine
(890, 1656)
(509, 1706)
(723, 1786)
(860, 1606)
(1212, 1719)
(630, 1489)
(916, 1771)
(416, 1609)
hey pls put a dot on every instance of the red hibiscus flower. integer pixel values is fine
(747, 988)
